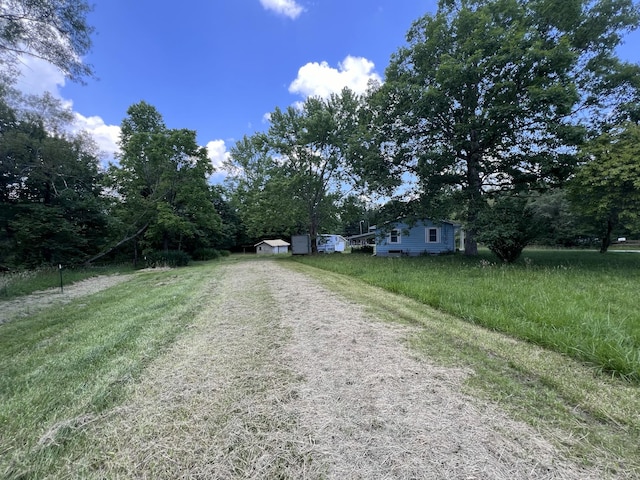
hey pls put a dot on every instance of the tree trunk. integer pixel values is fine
(474, 195)
(606, 238)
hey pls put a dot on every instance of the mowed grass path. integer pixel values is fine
(63, 367)
(580, 303)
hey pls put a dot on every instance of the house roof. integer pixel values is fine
(274, 243)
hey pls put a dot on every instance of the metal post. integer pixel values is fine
(60, 269)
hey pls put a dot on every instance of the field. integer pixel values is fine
(579, 303)
(269, 368)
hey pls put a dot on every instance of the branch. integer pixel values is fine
(100, 255)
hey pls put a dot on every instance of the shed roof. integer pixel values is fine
(274, 243)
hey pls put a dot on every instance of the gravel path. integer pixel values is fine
(281, 378)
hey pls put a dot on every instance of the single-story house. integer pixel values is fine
(423, 237)
(272, 247)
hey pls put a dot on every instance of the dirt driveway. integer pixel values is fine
(280, 378)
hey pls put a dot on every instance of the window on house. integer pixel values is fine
(433, 235)
(394, 236)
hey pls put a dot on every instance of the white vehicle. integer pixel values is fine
(331, 243)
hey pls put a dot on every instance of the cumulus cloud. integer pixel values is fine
(288, 8)
(218, 153)
(321, 80)
(105, 136)
(38, 76)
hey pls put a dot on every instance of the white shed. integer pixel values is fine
(272, 247)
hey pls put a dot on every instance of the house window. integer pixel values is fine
(433, 235)
(394, 236)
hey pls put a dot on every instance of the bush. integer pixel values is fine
(171, 258)
(206, 254)
(365, 249)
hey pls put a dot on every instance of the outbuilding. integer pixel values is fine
(272, 247)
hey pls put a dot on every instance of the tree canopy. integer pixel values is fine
(293, 178)
(161, 180)
(51, 204)
(606, 187)
(53, 30)
(498, 94)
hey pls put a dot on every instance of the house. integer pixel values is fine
(422, 237)
(331, 243)
(272, 247)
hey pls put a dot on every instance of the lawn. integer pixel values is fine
(65, 366)
(580, 303)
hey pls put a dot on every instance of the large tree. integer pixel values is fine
(497, 94)
(51, 204)
(53, 30)
(161, 180)
(292, 178)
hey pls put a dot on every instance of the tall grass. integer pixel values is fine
(580, 303)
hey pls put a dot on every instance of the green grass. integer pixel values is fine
(65, 366)
(579, 303)
(16, 284)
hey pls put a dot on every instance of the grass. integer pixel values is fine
(64, 367)
(578, 303)
(591, 418)
(16, 284)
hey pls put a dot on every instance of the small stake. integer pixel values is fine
(60, 268)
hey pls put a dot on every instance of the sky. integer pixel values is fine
(219, 67)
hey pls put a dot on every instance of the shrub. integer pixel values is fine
(365, 249)
(206, 254)
(171, 258)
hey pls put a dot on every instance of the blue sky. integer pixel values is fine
(218, 67)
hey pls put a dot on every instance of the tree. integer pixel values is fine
(498, 94)
(53, 30)
(162, 183)
(291, 179)
(52, 209)
(606, 187)
(506, 225)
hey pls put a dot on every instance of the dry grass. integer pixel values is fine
(280, 378)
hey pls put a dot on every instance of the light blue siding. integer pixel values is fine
(415, 240)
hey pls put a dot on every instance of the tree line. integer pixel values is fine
(515, 118)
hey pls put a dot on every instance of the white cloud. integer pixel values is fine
(288, 8)
(105, 136)
(321, 80)
(38, 76)
(218, 153)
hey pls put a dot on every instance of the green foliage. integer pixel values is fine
(484, 95)
(292, 179)
(52, 30)
(506, 226)
(578, 303)
(364, 249)
(206, 254)
(50, 188)
(162, 182)
(170, 258)
(606, 187)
